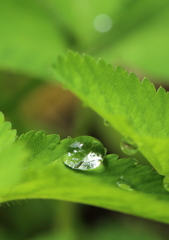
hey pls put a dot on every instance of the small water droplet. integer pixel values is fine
(166, 186)
(68, 136)
(52, 146)
(106, 123)
(124, 185)
(128, 146)
(84, 153)
(166, 182)
(135, 161)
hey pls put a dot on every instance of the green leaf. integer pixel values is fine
(123, 185)
(120, 185)
(11, 157)
(7, 136)
(11, 167)
(29, 39)
(41, 147)
(132, 107)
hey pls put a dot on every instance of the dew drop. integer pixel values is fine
(106, 123)
(124, 185)
(128, 146)
(68, 136)
(166, 186)
(135, 161)
(166, 182)
(84, 153)
(52, 146)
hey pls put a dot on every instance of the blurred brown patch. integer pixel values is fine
(50, 105)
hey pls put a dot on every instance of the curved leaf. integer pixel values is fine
(120, 185)
(132, 107)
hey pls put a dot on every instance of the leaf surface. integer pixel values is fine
(132, 107)
(117, 184)
(11, 156)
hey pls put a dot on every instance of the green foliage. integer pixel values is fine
(132, 107)
(122, 100)
(7, 136)
(35, 165)
(11, 157)
(29, 42)
(34, 32)
(41, 147)
(43, 175)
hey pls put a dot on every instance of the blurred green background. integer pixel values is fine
(130, 33)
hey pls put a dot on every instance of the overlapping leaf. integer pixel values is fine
(132, 107)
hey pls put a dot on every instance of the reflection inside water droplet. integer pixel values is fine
(84, 153)
(128, 146)
(124, 185)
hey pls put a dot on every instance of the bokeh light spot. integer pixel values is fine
(102, 23)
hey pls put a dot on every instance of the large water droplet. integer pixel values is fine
(124, 185)
(106, 123)
(128, 146)
(84, 153)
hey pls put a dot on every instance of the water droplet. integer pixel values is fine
(166, 186)
(135, 161)
(166, 182)
(124, 185)
(52, 146)
(106, 123)
(84, 153)
(68, 136)
(102, 23)
(128, 146)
